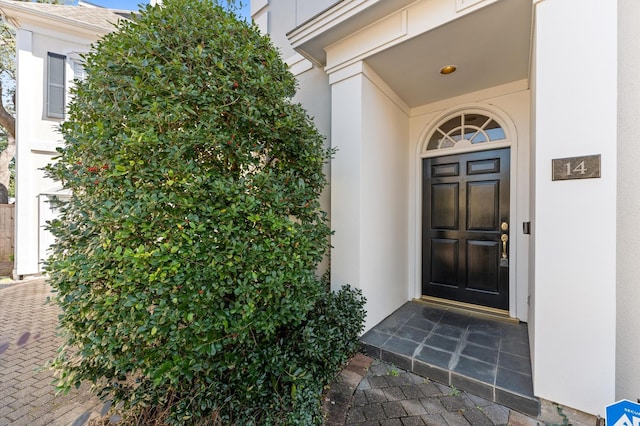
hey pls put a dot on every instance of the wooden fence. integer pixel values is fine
(7, 232)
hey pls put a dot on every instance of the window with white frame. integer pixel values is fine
(468, 128)
(55, 85)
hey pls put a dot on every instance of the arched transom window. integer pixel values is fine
(466, 129)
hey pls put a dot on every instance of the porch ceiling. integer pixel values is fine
(489, 47)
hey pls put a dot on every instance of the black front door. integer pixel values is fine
(465, 228)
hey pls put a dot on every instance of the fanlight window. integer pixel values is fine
(466, 129)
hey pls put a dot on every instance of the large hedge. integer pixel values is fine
(185, 263)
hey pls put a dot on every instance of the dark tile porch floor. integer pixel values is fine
(486, 357)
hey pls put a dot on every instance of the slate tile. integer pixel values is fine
(483, 339)
(448, 331)
(477, 388)
(434, 357)
(514, 382)
(529, 406)
(375, 337)
(443, 343)
(455, 319)
(480, 353)
(515, 347)
(411, 333)
(520, 364)
(476, 369)
(400, 346)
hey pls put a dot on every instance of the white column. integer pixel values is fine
(575, 221)
(346, 137)
(29, 89)
(369, 191)
(628, 251)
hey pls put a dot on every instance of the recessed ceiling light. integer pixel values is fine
(449, 69)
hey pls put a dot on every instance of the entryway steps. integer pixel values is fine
(488, 358)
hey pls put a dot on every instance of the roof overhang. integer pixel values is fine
(407, 42)
(21, 15)
(340, 20)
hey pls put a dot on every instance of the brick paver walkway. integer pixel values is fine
(374, 393)
(366, 393)
(27, 342)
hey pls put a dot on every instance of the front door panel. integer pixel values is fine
(465, 202)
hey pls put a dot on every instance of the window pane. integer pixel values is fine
(451, 124)
(56, 101)
(475, 119)
(55, 85)
(479, 138)
(494, 131)
(456, 135)
(56, 70)
(434, 142)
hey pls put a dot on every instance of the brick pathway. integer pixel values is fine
(27, 341)
(374, 393)
(366, 393)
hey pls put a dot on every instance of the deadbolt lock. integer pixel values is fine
(504, 226)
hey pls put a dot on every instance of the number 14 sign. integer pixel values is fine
(586, 167)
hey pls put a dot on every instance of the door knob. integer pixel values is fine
(504, 238)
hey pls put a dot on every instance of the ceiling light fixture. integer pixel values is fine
(449, 69)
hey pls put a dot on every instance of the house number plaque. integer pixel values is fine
(586, 167)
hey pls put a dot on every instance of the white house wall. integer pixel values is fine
(37, 138)
(289, 13)
(369, 194)
(575, 228)
(314, 94)
(384, 222)
(628, 233)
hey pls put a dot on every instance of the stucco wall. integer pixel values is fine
(278, 17)
(575, 247)
(384, 219)
(369, 195)
(37, 137)
(628, 230)
(314, 94)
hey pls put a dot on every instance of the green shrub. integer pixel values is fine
(185, 262)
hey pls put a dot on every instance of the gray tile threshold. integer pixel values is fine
(485, 357)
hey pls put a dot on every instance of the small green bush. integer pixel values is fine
(185, 262)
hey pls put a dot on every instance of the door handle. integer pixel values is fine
(504, 238)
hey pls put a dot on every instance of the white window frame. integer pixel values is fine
(56, 111)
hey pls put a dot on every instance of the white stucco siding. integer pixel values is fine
(314, 94)
(37, 136)
(346, 138)
(384, 222)
(46, 128)
(628, 233)
(575, 247)
(369, 194)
